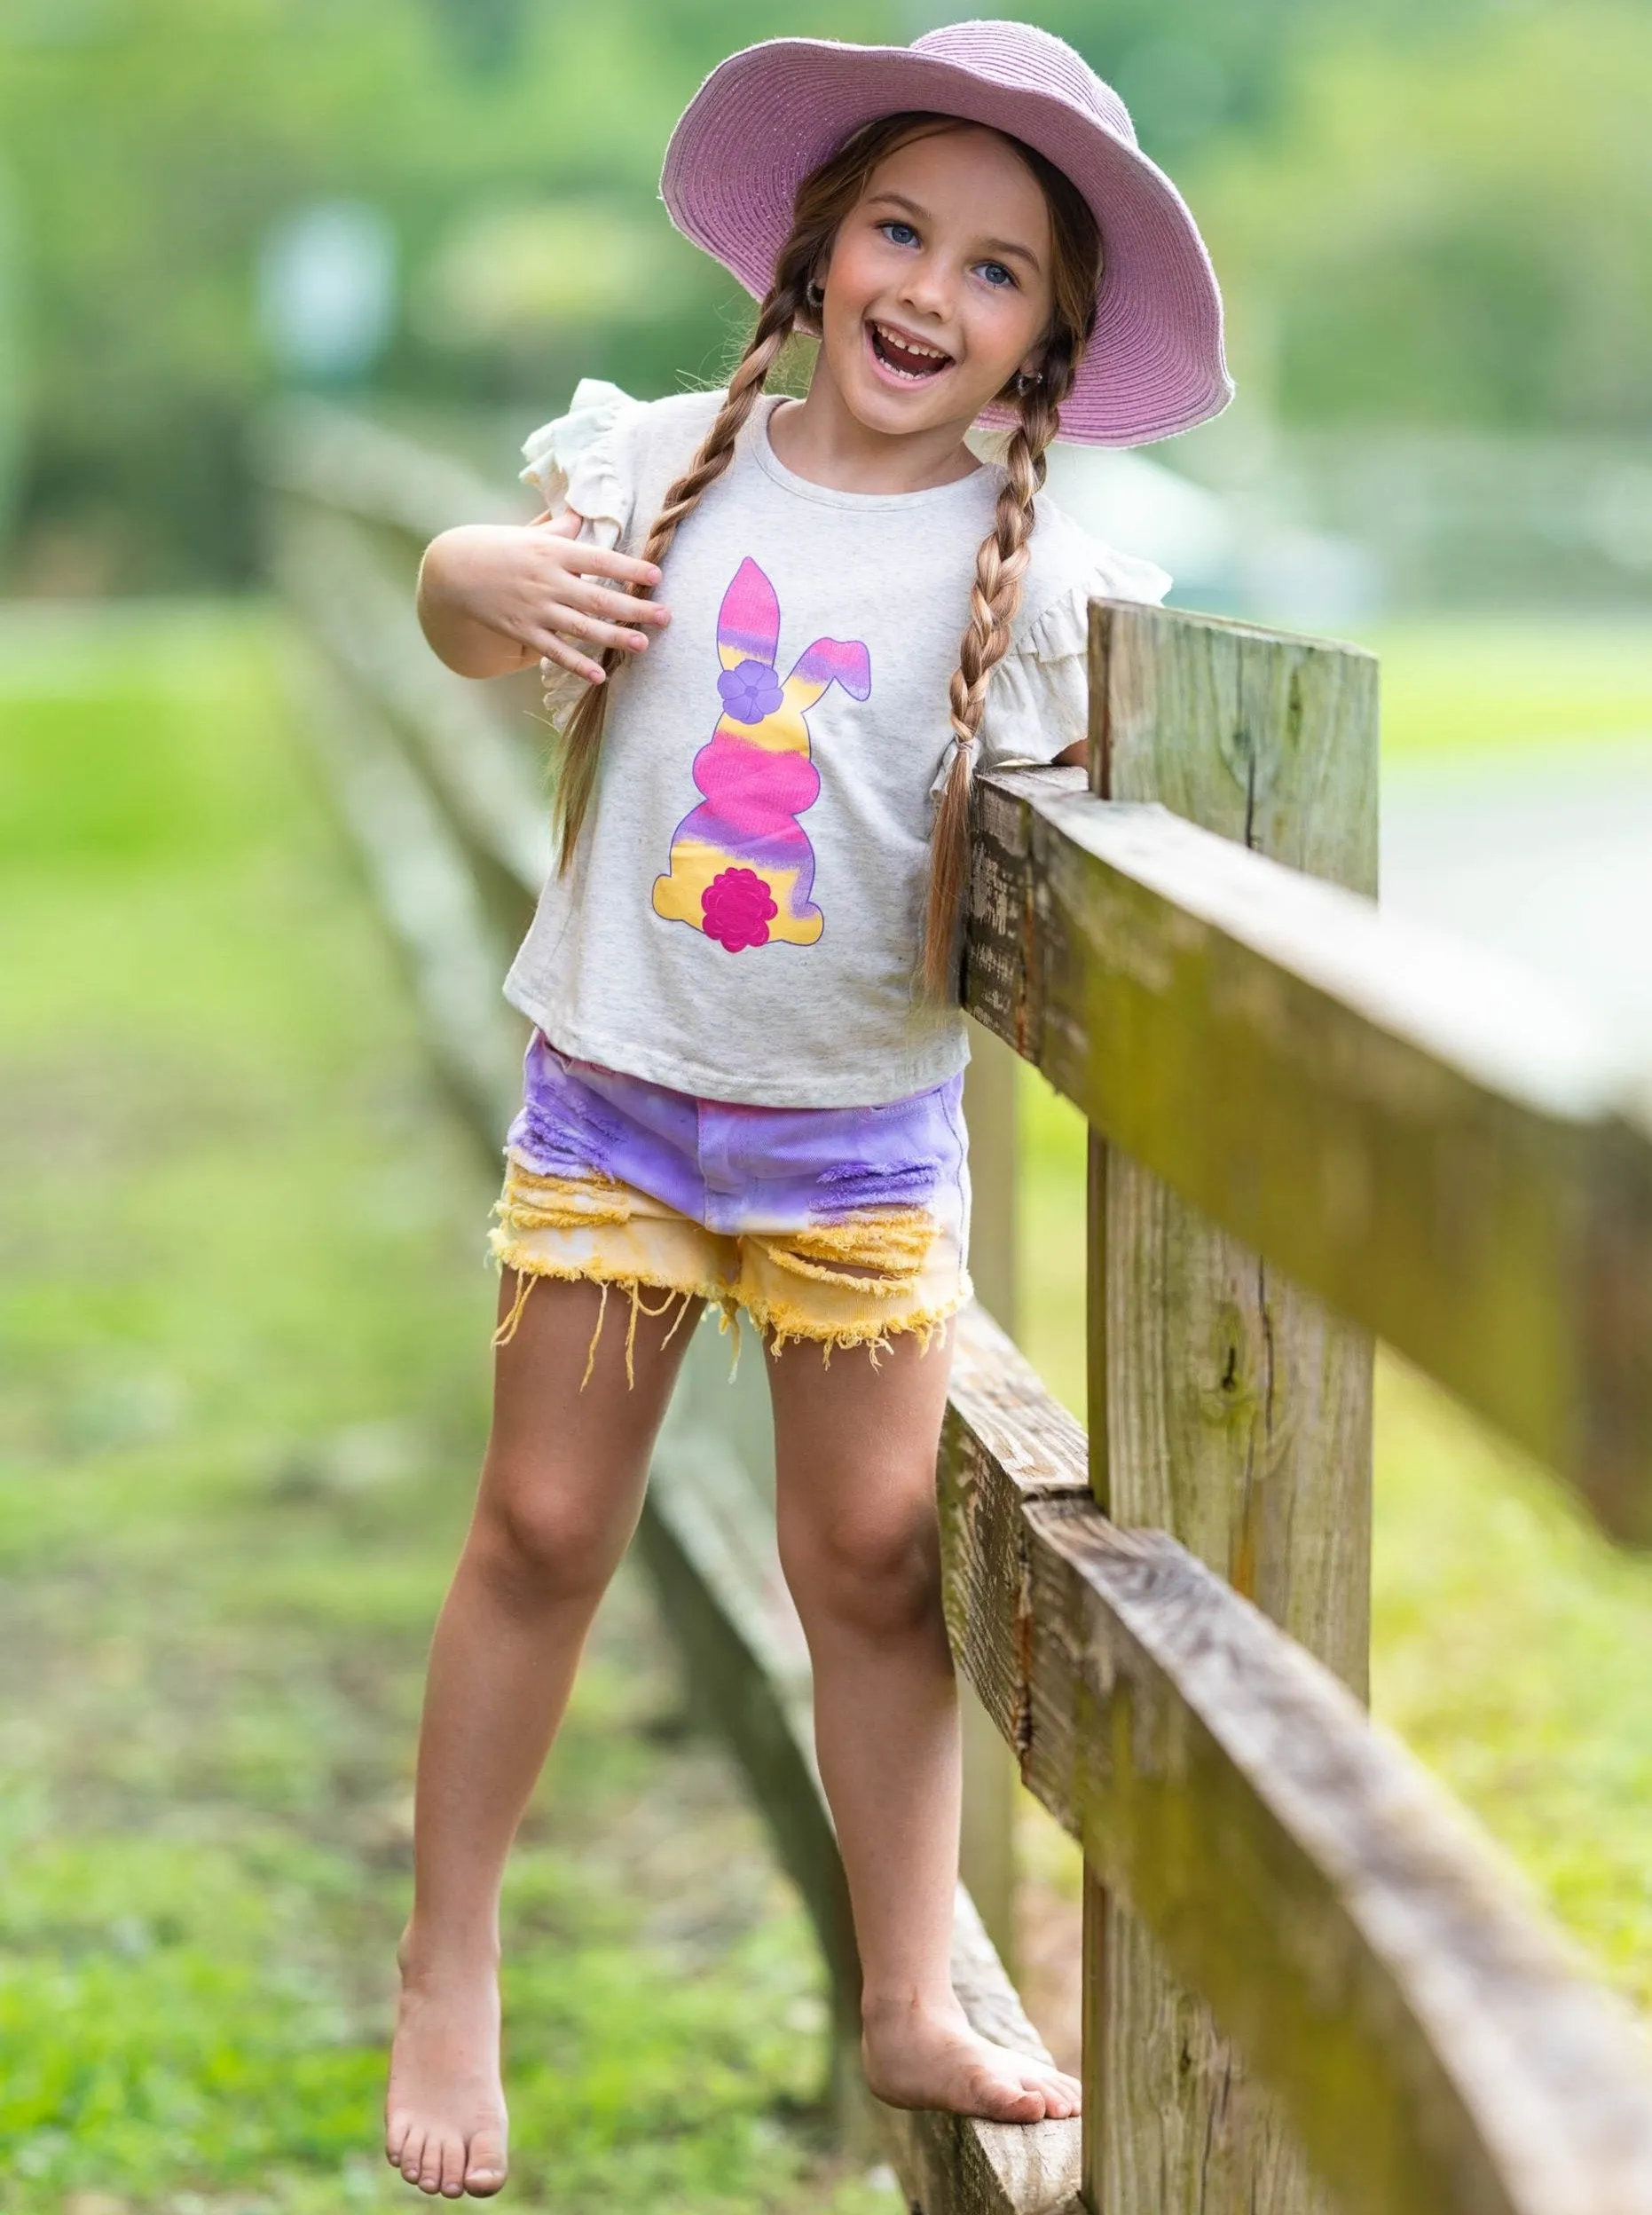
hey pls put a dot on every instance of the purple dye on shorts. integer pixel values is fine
(737, 1169)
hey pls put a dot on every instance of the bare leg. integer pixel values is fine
(561, 1488)
(855, 1449)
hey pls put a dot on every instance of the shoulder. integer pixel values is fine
(600, 414)
(610, 456)
(1037, 705)
(680, 414)
(664, 435)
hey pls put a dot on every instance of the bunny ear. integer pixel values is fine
(829, 661)
(748, 622)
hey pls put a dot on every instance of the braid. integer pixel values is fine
(822, 201)
(582, 733)
(994, 599)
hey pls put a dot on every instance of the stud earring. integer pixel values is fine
(814, 293)
(1026, 379)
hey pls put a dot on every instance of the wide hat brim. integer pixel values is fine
(771, 113)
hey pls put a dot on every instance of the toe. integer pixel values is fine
(1062, 2095)
(413, 2154)
(1006, 2101)
(484, 2173)
(395, 2139)
(450, 2174)
(430, 2167)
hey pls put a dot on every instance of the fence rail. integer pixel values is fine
(1264, 1059)
(1435, 2046)
(1443, 1150)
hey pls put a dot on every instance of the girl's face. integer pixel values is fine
(938, 291)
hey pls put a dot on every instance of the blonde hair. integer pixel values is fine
(824, 198)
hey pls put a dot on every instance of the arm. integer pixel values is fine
(497, 598)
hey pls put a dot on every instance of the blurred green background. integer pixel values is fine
(1429, 215)
(243, 1311)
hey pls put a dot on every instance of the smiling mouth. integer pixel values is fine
(906, 357)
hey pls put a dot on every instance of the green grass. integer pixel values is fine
(1512, 1645)
(243, 1319)
(243, 1370)
(1486, 684)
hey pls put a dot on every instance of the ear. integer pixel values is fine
(1037, 359)
(829, 661)
(748, 622)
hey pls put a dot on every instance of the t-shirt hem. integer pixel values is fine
(868, 1085)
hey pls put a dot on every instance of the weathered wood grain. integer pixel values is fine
(986, 1858)
(1427, 1140)
(1381, 1968)
(1238, 1410)
(1004, 1441)
(1290, 723)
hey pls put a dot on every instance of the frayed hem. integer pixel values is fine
(784, 1326)
(529, 1272)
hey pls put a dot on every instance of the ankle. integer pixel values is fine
(444, 1957)
(884, 2006)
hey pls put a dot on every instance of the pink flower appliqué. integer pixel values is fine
(737, 905)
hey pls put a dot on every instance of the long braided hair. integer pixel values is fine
(823, 199)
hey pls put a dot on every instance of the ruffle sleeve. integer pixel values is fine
(581, 459)
(1038, 703)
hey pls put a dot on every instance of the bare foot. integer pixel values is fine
(920, 2055)
(445, 2112)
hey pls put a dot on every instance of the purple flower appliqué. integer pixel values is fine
(737, 905)
(751, 691)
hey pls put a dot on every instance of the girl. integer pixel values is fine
(743, 1085)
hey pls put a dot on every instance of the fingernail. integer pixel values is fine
(655, 575)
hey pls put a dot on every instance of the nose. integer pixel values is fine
(926, 287)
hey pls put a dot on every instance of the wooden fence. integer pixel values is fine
(1309, 1983)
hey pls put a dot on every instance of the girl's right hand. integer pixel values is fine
(493, 598)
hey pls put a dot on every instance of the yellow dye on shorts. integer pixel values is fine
(859, 1281)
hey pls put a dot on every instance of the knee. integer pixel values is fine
(539, 1536)
(880, 1576)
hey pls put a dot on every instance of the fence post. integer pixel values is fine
(1226, 1406)
(992, 1783)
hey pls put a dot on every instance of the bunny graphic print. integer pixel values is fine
(742, 868)
(743, 916)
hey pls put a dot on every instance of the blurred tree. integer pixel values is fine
(1456, 231)
(1187, 68)
(11, 353)
(156, 147)
(158, 143)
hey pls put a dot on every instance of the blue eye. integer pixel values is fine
(996, 275)
(910, 237)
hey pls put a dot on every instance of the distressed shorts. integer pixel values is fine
(842, 1226)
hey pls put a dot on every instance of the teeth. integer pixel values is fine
(909, 346)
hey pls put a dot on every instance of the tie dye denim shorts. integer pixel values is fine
(844, 1226)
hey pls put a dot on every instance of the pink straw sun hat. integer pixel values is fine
(769, 115)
